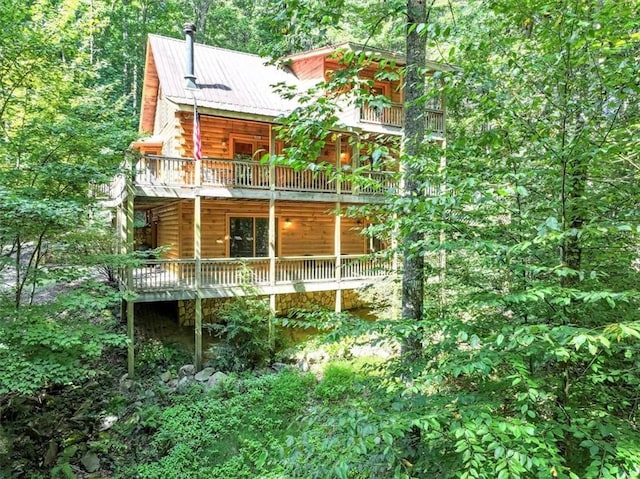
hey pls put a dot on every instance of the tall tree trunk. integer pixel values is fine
(414, 131)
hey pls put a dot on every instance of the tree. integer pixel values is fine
(530, 370)
(58, 138)
(414, 137)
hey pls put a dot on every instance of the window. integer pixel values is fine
(247, 149)
(249, 237)
(375, 244)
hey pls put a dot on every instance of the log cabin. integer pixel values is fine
(205, 190)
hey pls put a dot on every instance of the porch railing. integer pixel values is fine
(390, 116)
(394, 116)
(166, 274)
(180, 172)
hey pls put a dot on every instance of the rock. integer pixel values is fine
(204, 375)
(90, 461)
(183, 382)
(278, 366)
(187, 370)
(107, 422)
(126, 384)
(165, 377)
(215, 380)
(315, 357)
(51, 454)
(172, 384)
(303, 366)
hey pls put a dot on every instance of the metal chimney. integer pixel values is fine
(189, 31)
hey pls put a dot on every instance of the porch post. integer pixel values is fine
(337, 245)
(129, 247)
(355, 162)
(197, 253)
(272, 230)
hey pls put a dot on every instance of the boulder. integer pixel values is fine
(107, 422)
(204, 375)
(278, 366)
(184, 382)
(187, 370)
(215, 380)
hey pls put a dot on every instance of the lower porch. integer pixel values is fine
(171, 279)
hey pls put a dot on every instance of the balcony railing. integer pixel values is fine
(159, 275)
(390, 116)
(180, 172)
(394, 116)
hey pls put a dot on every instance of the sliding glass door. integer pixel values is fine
(249, 237)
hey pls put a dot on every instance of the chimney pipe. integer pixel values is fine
(189, 31)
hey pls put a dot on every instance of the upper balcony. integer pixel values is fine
(162, 176)
(393, 116)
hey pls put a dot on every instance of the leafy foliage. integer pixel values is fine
(247, 335)
(228, 433)
(529, 339)
(55, 343)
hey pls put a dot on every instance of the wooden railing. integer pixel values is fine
(159, 274)
(305, 268)
(394, 116)
(356, 267)
(390, 116)
(435, 123)
(303, 180)
(113, 190)
(180, 172)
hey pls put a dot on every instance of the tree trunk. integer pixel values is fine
(414, 131)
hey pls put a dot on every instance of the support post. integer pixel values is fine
(272, 231)
(197, 253)
(129, 290)
(337, 239)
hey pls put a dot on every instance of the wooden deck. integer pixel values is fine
(222, 173)
(394, 116)
(220, 277)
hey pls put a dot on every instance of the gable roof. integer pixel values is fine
(237, 84)
(228, 80)
(374, 53)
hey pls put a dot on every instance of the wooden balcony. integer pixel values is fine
(221, 277)
(394, 116)
(233, 174)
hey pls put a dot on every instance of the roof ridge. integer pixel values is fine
(181, 40)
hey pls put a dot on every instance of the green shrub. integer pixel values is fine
(340, 380)
(248, 339)
(153, 355)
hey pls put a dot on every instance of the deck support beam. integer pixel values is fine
(337, 239)
(272, 226)
(272, 234)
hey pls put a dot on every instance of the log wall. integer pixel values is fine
(218, 134)
(309, 231)
(169, 231)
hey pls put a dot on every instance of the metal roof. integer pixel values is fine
(227, 80)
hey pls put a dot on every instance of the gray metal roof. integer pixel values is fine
(228, 80)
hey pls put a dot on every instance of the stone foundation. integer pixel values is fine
(284, 303)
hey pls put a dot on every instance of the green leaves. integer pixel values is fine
(49, 346)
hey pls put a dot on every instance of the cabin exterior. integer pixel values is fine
(234, 218)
